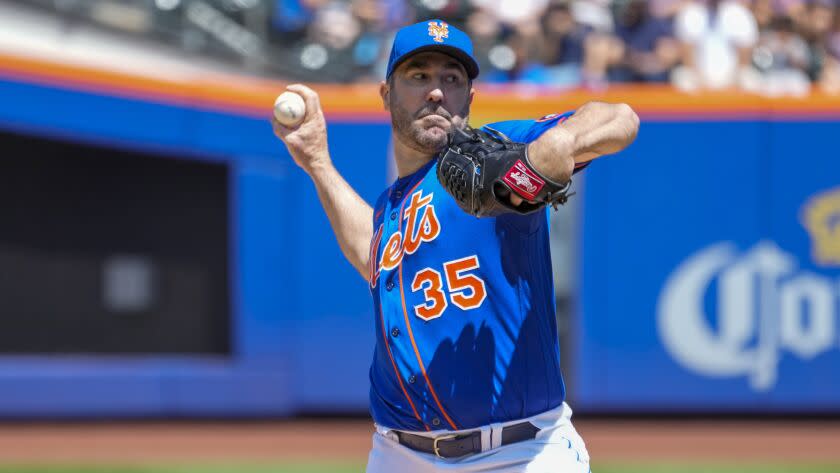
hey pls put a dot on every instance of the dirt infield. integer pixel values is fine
(348, 440)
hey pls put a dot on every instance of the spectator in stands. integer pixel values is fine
(815, 30)
(650, 50)
(378, 18)
(830, 74)
(327, 52)
(795, 10)
(601, 50)
(764, 11)
(782, 58)
(486, 32)
(382, 16)
(336, 26)
(641, 49)
(517, 61)
(595, 15)
(717, 38)
(515, 13)
(766, 46)
(666, 9)
(562, 47)
(453, 11)
(292, 17)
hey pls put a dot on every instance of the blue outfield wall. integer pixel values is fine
(302, 325)
(710, 275)
(699, 284)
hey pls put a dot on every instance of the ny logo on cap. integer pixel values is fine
(438, 31)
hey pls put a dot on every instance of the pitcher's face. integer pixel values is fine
(427, 95)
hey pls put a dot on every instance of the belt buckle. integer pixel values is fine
(438, 439)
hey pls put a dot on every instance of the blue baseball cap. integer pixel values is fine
(432, 35)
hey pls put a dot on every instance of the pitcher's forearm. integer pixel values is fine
(350, 216)
(601, 128)
(594, 130)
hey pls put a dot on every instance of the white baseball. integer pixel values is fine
(289, 109)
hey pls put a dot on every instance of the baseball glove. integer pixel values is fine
(480, 169)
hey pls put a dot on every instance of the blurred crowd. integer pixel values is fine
(772, 47)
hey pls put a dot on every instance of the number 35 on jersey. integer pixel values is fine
(452, 283)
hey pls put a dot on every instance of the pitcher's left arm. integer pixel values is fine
(595, 129)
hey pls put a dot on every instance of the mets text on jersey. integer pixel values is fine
(417, 231)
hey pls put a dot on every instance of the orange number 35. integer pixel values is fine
(466, 291)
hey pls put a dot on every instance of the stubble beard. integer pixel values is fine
(412, 133)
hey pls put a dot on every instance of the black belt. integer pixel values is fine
(452, 446)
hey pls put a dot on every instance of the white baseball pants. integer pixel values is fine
(557, 448)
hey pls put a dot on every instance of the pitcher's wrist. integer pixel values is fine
(318, 166)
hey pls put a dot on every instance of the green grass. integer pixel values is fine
(338, 468)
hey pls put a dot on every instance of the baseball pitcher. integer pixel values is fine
(466, 370)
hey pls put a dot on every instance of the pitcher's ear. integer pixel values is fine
(384, 93)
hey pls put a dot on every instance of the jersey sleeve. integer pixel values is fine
(526, 131)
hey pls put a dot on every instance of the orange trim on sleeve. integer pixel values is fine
(408, 323)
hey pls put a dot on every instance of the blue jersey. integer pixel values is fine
(464, 307)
